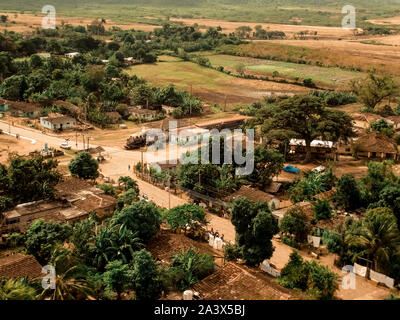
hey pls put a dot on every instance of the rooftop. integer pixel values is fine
(56, 118)
(238, 282)
(250, 193)
(376, 142)
(20, 266)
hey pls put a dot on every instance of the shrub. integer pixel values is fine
(322, 210)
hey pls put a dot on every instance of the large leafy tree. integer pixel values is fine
(306, 117)
(294, 222)
(71, 282)
(141, 218)
(42, 238)
(255, 226)
(187, 215)
(374, 88)
(267, 163)
(84, 166)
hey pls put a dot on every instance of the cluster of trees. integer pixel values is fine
(218, 180)
(374, 236)
(258, 33)
(309, 276)
(26, 180)
(310, 184)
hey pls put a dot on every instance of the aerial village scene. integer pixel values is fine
(199, 150)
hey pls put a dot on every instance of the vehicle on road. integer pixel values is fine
(65, 145)
(291, 169)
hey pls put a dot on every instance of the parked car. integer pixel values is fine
(291, 169)
(319, 169)
(65, 145)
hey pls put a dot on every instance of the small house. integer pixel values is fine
(24, 109)
(143, 114)
(298, 146)
(376, 146)
(3, 106)
(113, 116)
(57, 122)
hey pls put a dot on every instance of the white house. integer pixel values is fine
(57, 122)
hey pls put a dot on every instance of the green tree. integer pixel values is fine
(42, 237)
(129, 183)
(322, 209)
(306, 117)
(255, 226)
(267, 164)
(374, 89)
(14, 87)
(142, 218)
(84, 166)
(294, 222)
(187, 268)
(145, 276)
(347, 193)
(382, 126)
(187, 215)
(319, 281)
(118, 277)
(378, 238)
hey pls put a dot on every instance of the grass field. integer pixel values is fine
(210, 85)
(261, 67)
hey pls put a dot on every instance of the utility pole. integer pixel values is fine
(169, 192)
(83, 145)
(76, 139)
(142, 162)
(88, 145)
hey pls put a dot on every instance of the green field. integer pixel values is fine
(306, 12)
(210, 85)
(261, 67)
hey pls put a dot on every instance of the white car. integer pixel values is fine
(319, 169)
(65, 145)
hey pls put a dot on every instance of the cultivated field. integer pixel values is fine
(288, 29)
(349, 54)
(210, 85)
(323, 76)
(28, 22)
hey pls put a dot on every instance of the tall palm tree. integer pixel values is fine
(71, 281)
(16, 289)
(379, 238)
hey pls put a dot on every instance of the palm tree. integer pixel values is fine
(71, 281)
(70, 285)
(16, 289)
(378, 237)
